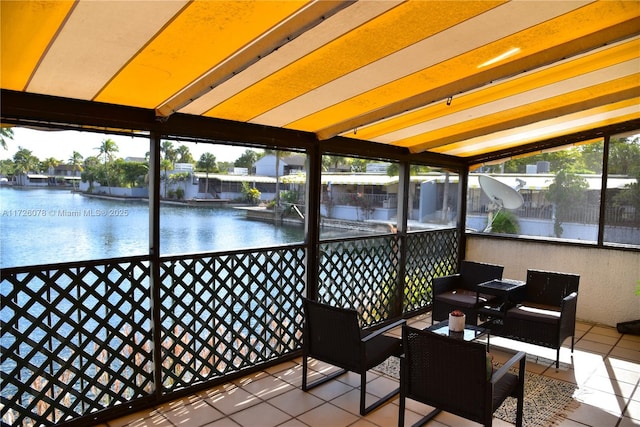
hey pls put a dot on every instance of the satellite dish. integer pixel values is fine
(501, 196)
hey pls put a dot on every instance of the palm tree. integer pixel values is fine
(89, 174)
(24, 161)
(246, 160)
(567, 193)
(169, 153)
(332, 161)
(75, 160)
(107, 148)
(49, 163)
(5, 133)
(165, 165)
(208, 163)
(184, 155)
(277, 154)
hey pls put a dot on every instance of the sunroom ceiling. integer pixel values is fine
(462, 78)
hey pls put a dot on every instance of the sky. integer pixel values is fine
(61, 145)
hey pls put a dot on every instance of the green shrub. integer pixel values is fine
(505, 222)
(179, 193)
(251, 195)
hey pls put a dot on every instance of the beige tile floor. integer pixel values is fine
(605, 367)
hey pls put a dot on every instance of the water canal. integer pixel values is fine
(43, 226)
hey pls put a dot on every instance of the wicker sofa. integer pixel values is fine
(546, 316)
(458, 291)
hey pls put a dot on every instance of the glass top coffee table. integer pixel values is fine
(470, 333)
(507, 292)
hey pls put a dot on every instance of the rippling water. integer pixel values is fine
(43, 226)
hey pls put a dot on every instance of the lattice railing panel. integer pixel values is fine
(76, 339)
(224, 313)
(430, 254)
(361, 274)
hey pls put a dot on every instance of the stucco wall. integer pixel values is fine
(607, 276)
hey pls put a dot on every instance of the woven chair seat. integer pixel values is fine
(535, 312)
(546, 314)
(503, 388)
(464, 298)
(379, 348)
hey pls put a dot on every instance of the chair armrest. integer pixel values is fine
(518, 357)
(384, 329)
(445, 283)
(568, 307)
(570, 299)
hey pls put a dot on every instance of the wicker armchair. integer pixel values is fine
(333, 335)
(547, 315)
(458, 291)
(451, 375)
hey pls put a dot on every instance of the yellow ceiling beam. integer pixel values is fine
(27, 28)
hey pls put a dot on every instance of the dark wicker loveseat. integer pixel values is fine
(458, 291)
(547, 314)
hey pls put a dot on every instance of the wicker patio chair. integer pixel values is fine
(458, 291)
(547, 315)
(333, 335)
(453, 375)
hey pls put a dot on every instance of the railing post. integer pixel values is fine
(154, 258)
(462, 213)
(602, 217)
(312, 224)
(403, 217)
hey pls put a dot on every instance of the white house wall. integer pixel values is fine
(266, 166)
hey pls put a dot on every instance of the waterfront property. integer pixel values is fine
(434, 86)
